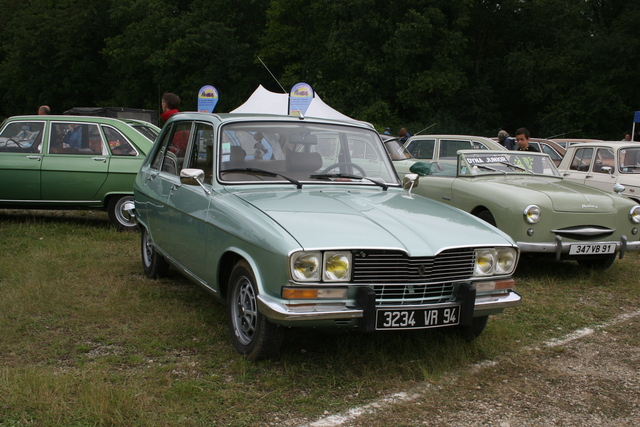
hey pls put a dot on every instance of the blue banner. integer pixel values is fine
(299, 99)
(636, 117)
(207, 99)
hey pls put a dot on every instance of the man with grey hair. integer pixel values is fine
(505, 140)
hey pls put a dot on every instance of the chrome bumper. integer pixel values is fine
(277, 311)
(560, 247)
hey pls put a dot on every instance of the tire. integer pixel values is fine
(118, 215)
(154, 265)
(598, 263)
(251, 333)
(473, 331)
(486, 217)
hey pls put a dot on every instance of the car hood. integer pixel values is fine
(565, 196)
(353, 218)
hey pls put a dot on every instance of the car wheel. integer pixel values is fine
(119, 214)
(486, 217)
(251, 333)
(154, 265)
(598, 263)
(473, 331)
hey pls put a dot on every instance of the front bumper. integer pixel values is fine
(560, 247)
(292, 315)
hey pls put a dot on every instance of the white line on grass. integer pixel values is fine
(404, 397)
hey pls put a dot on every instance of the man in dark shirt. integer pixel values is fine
(522, 139)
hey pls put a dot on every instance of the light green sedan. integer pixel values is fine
(523, 194)
(72, 162)
(302, 222)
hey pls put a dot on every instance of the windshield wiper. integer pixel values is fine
(511, 165)
(349, 176)
(264, 172)
(488, 168)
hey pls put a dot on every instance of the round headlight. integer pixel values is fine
(485, 260)
(337, 266)
(505, 260)
(531, 214)
(305, 266)
(634, 215)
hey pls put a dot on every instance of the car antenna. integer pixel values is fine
(563, 134)
(274, 77)
(428, 127)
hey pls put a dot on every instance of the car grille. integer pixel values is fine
(402, 280)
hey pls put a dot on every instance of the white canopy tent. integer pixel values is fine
(263, 101)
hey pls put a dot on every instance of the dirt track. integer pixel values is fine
(590, 379)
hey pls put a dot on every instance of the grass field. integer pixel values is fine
(87, 340)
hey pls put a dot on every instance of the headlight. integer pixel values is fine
(337, 266)
(305, 266)
(332, 266)
(531, 214)
(506, 260)
(495, 261)
(485, 260)
(634, 215)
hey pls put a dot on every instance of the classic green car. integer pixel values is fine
(301, 222)
(523, 194)
(72, 162)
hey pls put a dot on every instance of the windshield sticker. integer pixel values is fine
(479, 160)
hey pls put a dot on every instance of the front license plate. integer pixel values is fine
(592, 248)
(417, 318)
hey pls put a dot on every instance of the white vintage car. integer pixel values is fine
(603, 164)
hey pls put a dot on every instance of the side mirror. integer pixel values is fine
(618, 188)
(410, 181)
(193, 177)
(607, 169)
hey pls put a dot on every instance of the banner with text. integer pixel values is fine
(299, 99)
(207, 99)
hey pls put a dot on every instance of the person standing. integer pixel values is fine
(506, 141)
(522, 139)
(170, 105)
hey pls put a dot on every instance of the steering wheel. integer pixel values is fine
(337, 165)
(15, 142)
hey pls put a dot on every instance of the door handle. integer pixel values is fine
(34, 158)
(100, 159)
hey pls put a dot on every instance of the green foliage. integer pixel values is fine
(554, 66)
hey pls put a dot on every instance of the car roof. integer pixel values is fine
(233, 117)
(610, 144)
(68, 118)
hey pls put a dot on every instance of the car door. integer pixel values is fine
(20, 160)
(162, 178)
(77, 163)
(580, 165)
(189, 204)
(603, 173)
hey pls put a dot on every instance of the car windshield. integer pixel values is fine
(259, 152)
(502, 163)
(629, 160)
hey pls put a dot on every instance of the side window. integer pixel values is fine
(118, 143)
(629, 159)
(551, 152)
(422, 148)
(22, 137)
(177, 149)
(449, 148)
(75, 138)
(201, 154)
(604, 157)
(581, 159)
